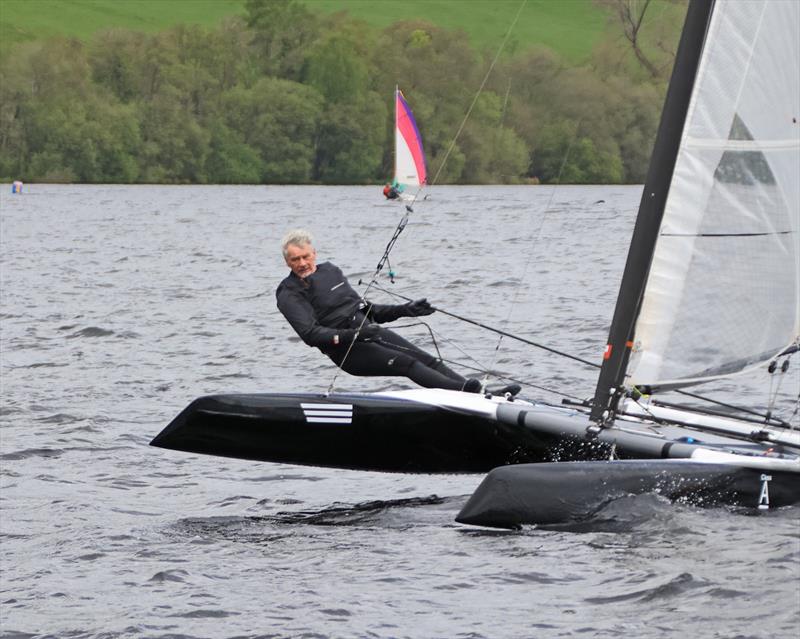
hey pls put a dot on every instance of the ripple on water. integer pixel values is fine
(91, 331)
(45, 365)
(205, 614)
(59, 418)
(672, 588)
(32, 453)
(177, 575)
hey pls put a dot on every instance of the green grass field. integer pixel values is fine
(22, 20)
(570, 27)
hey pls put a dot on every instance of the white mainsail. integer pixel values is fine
(723, 291)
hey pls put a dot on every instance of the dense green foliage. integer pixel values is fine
(287, 95)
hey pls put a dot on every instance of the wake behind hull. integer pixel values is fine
(354, 431)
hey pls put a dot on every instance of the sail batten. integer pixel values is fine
(742, 145)
(722, 292)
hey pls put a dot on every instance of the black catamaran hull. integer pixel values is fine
(513, 496)
(436, 431)
(361, 432)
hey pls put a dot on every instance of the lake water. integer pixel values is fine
(122, 304)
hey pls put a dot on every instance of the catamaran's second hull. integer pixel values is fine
(566, 492)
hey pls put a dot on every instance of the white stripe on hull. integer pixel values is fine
(328, 413)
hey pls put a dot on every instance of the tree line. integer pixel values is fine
(282, 95)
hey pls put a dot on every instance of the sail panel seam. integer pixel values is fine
(727, 144)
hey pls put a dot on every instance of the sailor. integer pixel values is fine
(326, 312)
(391, 192)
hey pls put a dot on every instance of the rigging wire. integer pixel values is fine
(409, 207)
(478, 367)
(717, 402)
(769, 419)
(774, 389)
(368, 306)
(501, 332)
(781, 370)
(534, 243)
(477, 95)
(757, 419)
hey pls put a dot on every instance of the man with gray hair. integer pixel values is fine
(326, 312)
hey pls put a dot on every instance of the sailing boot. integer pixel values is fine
(511, 390)
(472, 385)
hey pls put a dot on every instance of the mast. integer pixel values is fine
(651, 210)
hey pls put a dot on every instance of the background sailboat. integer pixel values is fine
(410, 171)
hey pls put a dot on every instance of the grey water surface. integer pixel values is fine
(121, 304)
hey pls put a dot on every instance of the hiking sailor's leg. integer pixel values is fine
(403, 345)
(441, 367)
(371, 359)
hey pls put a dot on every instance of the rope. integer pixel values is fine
(490, 371)
(373, 282)
(410, 207)
(723, 404)
(477, 95)
(497, 330)
(781, 370)
(533, 242)
(478, 367)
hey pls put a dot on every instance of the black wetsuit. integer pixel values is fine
(326, 312)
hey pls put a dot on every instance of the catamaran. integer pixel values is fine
(711, 289)
(410, 172)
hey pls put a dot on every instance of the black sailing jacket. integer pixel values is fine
(324, 309)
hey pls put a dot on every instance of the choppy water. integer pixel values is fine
(121, 304)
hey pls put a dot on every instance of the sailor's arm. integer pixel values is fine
(300, 315)
(382, 313)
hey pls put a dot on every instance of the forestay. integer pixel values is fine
(722, 292)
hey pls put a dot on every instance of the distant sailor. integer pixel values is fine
(392, 191)
(326, 312)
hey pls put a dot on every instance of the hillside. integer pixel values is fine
(571, 28)
(22, 20)
(168, 91)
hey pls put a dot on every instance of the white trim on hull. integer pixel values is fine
(554, 420)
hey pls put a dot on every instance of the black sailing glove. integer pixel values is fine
(418, 307)
(368, 333)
